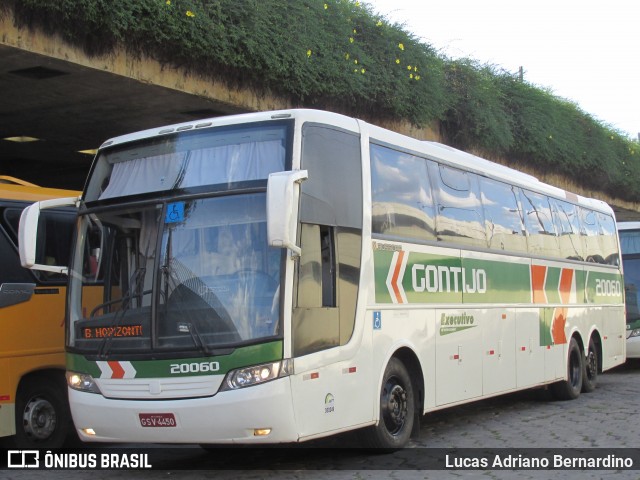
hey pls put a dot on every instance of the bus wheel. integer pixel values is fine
(397, 409)
(570, 389)
(590, 374)
(42, 415)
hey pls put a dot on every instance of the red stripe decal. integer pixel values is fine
(538, 275)
(396, 274)
(116, 369)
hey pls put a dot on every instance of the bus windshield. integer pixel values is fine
(217, 280)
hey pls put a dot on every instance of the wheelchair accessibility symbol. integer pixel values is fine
(377, 320)
(175, 213)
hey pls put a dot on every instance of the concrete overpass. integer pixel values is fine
(56, 102)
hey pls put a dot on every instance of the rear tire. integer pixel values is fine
(570, 389)
(590, 374)
(397, 410)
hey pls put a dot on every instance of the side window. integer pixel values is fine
(567, 223)
(316, 269)
(502, 215)
(608, 239)
(330, 239)
(11, 271)
(630, 242)
(542, 239)
(592, 246)
(402, 203)
(459, 211)
(332, 195)
(327, 287)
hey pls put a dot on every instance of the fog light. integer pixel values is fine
(261, 432)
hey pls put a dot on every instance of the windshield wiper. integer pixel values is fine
(195, 336)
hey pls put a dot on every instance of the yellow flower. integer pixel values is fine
(398, 61)
(379, 24)
(362, 71)
(350, 39)
(417, 77)
(409, 67)
(411, 75)
(357, 4)
(401, 46)
(326, 7)
(415, 69)
(347, 56)
(355, 61)
(168, 2)
(355, 31)
(190, 13)
(308, 53)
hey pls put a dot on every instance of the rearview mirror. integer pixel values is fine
(283, 192)
(28, 233)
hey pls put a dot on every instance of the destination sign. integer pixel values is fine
(117, 331)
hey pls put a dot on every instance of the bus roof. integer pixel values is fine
(433, 150)
(12, 188)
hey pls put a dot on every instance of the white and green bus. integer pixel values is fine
(283, 276)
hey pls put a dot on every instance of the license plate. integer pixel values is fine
(157, 419)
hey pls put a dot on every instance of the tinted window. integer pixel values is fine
(332, 195)
(11, 271)
(503, 218)
(537, 216)
(567, 223)
(401, 195)
(630, 241)
(608, 239)
(631, 267)
(459, 212)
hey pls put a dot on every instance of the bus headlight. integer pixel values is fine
(82, 382)
(246, 377)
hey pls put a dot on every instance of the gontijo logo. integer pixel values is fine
(439, 279)
(431, 278)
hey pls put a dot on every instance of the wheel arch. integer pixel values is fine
(53, 375)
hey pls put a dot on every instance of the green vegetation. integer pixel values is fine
(339, 55)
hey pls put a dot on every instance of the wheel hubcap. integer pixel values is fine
(395, 407)
(39, 419)
(591, 364)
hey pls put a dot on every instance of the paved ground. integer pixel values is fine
(605, 419)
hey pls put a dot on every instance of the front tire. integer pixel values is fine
(43, 419)
(570, 389)
(397, 410)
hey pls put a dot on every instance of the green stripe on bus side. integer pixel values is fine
(432, 278)
(240, 357)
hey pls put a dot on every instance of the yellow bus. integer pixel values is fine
(34, 407)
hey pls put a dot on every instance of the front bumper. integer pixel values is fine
(226, 418)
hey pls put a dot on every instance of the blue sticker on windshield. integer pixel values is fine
(175, 213)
